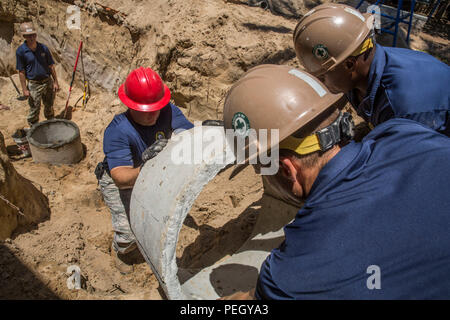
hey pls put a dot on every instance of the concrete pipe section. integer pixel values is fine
(55, 141)
(162, 197)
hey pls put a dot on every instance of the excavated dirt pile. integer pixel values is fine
(200, 48)
(21, 203)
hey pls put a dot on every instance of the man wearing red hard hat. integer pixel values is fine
(132, 138)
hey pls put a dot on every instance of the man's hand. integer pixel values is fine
(214, 123)
(153, 150)
(26, 93)
(55, 86)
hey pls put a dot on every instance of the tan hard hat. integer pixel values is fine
(328, 34)
(27, 28)
(274, 97)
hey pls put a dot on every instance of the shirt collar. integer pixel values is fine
(375, 74)
(333, 168)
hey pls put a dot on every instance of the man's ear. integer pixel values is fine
(350, 64)
(288, 168)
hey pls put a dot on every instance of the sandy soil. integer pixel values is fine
(78, 231)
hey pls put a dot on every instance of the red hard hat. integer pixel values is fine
(144, 90)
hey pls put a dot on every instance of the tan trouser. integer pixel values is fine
(40, 90)
(118, 202)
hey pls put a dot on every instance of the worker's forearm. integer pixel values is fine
(23, 80)
(53, 71)
(125, 177)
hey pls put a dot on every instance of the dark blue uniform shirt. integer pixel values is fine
(35, 64)
(406, 84)
(382, 202)
(124, 140)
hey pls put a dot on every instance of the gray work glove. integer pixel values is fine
(153, 150)
(215, 123)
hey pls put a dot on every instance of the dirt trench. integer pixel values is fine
(200, 48)
(199, 55)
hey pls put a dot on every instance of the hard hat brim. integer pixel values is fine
(301, 100)
(144, 107)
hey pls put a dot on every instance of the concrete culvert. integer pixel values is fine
(162, 198)
(55, 141)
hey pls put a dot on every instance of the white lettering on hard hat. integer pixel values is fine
(313, 83)
(355, 13)
(29, 30)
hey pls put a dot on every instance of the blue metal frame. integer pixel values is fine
(399, 18)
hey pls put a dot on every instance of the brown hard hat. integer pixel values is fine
(27, 28)
(328, 34)
(274, 97)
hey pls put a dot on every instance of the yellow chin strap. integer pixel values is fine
(302, 146)
(366, 45)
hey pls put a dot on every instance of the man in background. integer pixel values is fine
(36, 66)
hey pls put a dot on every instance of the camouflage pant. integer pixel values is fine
(40, 91)
(118, 202)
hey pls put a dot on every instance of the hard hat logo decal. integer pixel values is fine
(320, 52)
(240, 124)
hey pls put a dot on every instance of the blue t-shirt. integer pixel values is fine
(384, 202)
(408, 84)
(124, 140)
(34, 63)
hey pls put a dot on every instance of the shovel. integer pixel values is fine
(19, 96)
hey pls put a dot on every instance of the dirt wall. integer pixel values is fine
(18, 193)
(198, 64)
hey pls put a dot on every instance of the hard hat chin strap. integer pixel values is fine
(341, 130)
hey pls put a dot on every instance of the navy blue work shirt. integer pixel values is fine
(124, 140)
(408, 84)
(34, 63)
(381, 203)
